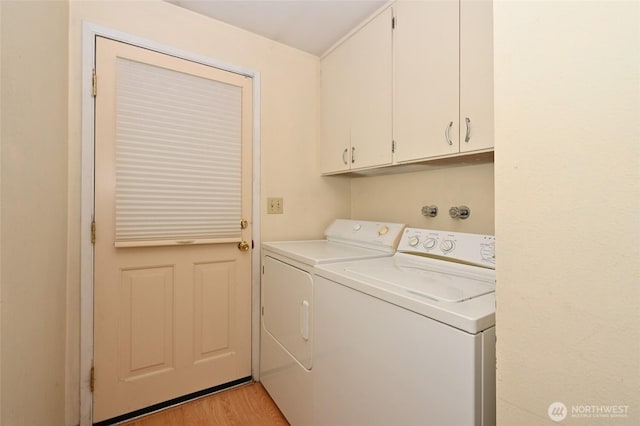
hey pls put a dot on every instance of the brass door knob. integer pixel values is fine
(243, 246)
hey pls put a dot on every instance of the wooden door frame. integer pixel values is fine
(89, 33)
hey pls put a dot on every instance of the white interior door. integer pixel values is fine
(172, 307)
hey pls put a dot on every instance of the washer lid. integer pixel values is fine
(434, 285)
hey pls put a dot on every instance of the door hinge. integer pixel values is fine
(92, 379)
(94, 83)
(393, 22)
(393, 147)
(93, 232)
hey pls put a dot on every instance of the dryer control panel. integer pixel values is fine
(375, 235)
(477, 249)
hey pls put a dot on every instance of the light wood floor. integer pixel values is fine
(245, 405)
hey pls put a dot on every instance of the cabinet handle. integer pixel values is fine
(344, 156)
(467, 136)
(353, 154)
(446, 133)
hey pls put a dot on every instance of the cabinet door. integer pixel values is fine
(426, 102)
(476, 75)
(371, 92)
(335, 99)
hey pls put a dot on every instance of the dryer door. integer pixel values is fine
(287, 308)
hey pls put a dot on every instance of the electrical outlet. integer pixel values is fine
(275, 205)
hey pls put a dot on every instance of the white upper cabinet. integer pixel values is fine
(476, 75)
(356, 99)
(426, 79)
(372, 95)
(335, 110)
(426, 86)
(443, 100)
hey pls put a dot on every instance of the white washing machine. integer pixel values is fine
(287, 311)
(409, 339)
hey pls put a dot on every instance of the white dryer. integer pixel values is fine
(287, 305)
(408, 339)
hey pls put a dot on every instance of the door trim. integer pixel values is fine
(89, 33)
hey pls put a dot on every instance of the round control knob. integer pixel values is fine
(447, 245)
(383, 230)
(357, 227)
(413, 241)
(430, 243)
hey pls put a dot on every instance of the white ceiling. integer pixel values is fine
(309, 25)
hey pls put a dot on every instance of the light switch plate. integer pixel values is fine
(275, 205)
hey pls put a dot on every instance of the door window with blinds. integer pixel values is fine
(178, 157)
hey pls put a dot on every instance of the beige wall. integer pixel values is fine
(567, 111)
(400, 197)
(289, 126)
(33, 229)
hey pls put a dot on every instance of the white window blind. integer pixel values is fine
(178, 157)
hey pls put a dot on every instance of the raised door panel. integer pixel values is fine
(213, 309)
(146, 321)
(372, 96)
(334, 153)
(476, 75)
(426, 79)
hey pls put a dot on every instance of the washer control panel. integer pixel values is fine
(478, 249)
